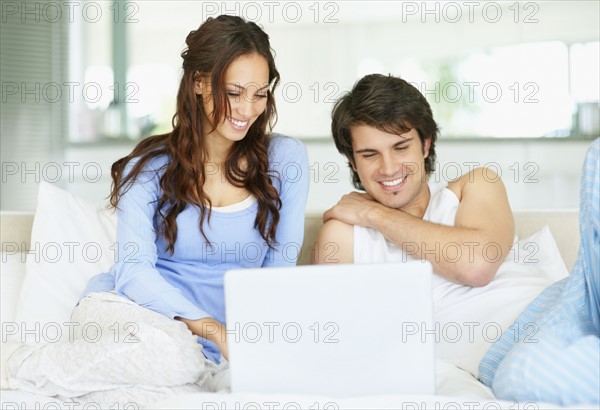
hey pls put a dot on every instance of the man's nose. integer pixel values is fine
(387, 166)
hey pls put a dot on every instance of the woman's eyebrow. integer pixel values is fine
(237, 85)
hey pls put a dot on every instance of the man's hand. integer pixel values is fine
(353, 209)
(210, 329)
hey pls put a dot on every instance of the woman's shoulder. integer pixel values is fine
(155, 161)
(153, 168)
(283, 148)
(289, 159)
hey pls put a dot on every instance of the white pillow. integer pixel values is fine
(541, 245)
(11, 277)
(471, 319)
(71, 241)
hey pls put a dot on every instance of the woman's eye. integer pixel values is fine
(233, 94)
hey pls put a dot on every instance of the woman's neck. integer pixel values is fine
(217, 149)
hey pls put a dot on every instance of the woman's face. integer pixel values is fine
(246, 86)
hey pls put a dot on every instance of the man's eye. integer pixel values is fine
(400, 148)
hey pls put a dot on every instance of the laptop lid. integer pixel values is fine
(333, 330)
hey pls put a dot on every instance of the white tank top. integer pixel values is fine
(370, 246)
(486, 308)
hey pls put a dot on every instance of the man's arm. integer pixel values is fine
(468, 253)
(335, 243)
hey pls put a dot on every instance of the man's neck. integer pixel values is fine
(418, 206)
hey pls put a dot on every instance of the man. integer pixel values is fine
(386, 130)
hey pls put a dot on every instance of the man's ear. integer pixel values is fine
(426, 147)
(351, 162)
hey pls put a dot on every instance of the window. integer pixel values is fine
(495, 69)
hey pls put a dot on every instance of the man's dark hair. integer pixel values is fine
(389, 104)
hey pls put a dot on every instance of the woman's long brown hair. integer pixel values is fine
(210, 50)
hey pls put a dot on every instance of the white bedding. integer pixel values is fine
(404, 402)
(18, 400)
(456, 388)
(453, 386)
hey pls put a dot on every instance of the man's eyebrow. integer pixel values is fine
(365, 150)
(236, 85)
(371, 150)
(403, 141)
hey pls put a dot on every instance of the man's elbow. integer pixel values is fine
(479, 273)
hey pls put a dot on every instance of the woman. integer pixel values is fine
(216, 193)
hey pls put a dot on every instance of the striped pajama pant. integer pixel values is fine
(552, 351)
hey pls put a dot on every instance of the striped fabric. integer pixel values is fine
(552, 351)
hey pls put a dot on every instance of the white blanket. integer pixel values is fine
(115, 352)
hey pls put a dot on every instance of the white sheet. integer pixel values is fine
(19, 399)
(451, 381)
(456, 389)
(208, 401)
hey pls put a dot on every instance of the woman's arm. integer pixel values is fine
(210, 329)
(290, 160)
(135, 273)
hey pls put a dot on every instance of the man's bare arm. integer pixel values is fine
(469, 252)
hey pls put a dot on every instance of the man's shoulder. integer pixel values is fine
(477, 178)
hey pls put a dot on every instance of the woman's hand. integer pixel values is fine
(209, 329)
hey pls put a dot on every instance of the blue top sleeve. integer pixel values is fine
(291, 165)
(135, 270)
(189, 282)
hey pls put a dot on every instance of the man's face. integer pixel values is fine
(391, 167)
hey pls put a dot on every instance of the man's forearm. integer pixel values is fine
(459, 254)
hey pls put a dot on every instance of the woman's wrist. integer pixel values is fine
(212, 330)
(207, 328)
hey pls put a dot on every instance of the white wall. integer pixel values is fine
(310, 52)
(538, 174)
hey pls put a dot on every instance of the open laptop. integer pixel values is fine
(332, 330)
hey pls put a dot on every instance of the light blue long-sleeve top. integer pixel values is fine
(189, 283)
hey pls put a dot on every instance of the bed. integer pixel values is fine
(547, 239)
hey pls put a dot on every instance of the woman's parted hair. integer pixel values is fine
(389, 104)
(210, 51)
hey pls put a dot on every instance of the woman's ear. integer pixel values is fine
(198, 83)
(198, 86)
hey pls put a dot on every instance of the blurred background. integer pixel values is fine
(513, 85)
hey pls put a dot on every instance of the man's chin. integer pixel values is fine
(392, 202)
